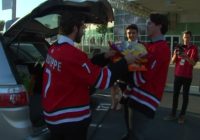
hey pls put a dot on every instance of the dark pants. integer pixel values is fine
(126, 117)
(178, 83)
(70, 131)
(138, 124)
(124, 102)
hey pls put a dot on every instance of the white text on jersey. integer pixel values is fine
(53, 63)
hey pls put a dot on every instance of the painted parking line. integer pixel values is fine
(103, 107)
(95, 125)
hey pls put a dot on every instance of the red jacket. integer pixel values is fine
(146, 89)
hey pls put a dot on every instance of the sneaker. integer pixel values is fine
(170, 118)
(181, 119)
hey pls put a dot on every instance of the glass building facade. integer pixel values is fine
(116, 32)
(123, 19)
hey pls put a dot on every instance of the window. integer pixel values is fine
(49, 21)
(25, 53)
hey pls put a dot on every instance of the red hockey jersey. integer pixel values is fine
(68, 74)
(146, 89)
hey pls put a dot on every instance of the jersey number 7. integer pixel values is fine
(48, 81)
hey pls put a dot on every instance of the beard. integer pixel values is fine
(78, 36)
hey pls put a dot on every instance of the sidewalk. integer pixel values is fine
(109, 125)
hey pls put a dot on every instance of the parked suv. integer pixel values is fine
(23, 49)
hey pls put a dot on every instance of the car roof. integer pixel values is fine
(44, 19)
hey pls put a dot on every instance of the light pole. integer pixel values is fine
(14, 9)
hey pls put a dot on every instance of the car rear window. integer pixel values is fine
(49, 21)
(25, 53)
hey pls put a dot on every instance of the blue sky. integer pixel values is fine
(23, 8)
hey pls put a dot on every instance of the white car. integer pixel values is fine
(22, 50)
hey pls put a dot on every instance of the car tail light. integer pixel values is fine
(13, 96)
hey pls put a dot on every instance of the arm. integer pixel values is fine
(174, 57)
(187, 58)
(114, 71)
(192, 57)
(100, 60)
(103, 59)
(108, 75)
(94, 75)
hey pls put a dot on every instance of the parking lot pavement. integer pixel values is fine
(106, 124)
(109, 125)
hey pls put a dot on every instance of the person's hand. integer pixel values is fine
(176, 51)
(130, 58)
(141, 58)
(110, 53)
(184, 56)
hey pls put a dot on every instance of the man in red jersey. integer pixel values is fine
(145, 88)
(185, 57)
(68, 76)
